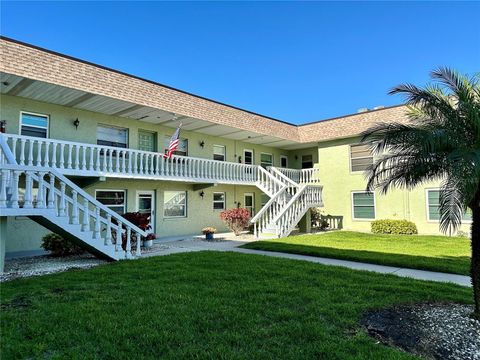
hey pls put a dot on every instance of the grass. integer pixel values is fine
(206, 305)
(436, 253)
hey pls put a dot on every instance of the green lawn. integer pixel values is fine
(206, 305)
(436, 253)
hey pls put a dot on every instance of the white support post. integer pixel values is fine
(28, 204)
(97, 233)
(3, 189)
(40, 194)
(108, 235)
(61, 207)
(51, 192)
(14, 189)
(75, 218)
(86, 216)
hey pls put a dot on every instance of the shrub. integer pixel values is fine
(58, 246)
(236, 219)
(397, 227)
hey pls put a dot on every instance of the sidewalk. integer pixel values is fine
(195, 244)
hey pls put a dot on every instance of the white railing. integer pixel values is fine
(303, 176)
(264, 218)
(307, 196)
(70, 204)
(96, 160)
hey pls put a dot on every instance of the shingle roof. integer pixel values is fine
(35, 63)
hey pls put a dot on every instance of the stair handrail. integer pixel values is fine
(283, 176)
(294, 198)
(80, 192)
(7, 152)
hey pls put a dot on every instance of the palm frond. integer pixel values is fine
(451, 205)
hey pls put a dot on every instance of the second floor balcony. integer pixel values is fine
(83, 159)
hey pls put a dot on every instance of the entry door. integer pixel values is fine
(249, 201)
(146, 205)
(146, 141)
(248, 157)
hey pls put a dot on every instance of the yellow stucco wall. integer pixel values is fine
(339, 182)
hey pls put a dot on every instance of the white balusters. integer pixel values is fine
(51, 192)
(108, 235)
(40, 193)
(75, 217)
(14, 189)
(97, 232)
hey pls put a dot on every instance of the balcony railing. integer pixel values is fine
(84, 159)
(303, 176)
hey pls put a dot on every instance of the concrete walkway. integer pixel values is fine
(196, 244)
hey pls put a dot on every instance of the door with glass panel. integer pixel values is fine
(147, 141)
(249, 201)
(146, 205)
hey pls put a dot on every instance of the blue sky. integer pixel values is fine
(295, 61)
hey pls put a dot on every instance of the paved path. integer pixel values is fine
(189, 245)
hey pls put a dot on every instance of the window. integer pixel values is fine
(363, 205)
(266, 160)
(175, 204)
(283, 161)
(433, 207)
(218, 201)
(360, 157)
(182, 148)
(307, 161)
(219, 152)
(112, 136)
(146, 141)
(33, 125)
(114, 199)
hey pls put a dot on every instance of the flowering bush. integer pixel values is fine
(236, 219)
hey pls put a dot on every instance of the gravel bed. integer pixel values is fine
(46, 264)
(433, 331)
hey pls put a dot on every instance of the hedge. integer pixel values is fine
(396, 227)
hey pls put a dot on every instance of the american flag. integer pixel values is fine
(173, 145)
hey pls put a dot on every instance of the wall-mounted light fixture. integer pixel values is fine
(76, 123)
(296, 157)
(202, 194)
(202, 143)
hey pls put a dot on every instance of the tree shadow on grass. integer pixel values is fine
(448, 264)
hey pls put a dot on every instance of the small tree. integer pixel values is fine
(441, 142)
(236, 219)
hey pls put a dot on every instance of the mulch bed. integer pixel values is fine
(432, 331)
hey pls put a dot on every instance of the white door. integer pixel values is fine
(146, 205)
(249, 201)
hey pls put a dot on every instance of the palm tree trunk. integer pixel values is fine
(475, 266)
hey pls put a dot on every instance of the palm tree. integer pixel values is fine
(441, 142)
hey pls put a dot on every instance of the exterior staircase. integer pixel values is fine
(33, 183)
(289, 201)
(52, 200)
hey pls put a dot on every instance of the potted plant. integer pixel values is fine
(148, 241)
(208, 232)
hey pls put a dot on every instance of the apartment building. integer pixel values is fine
(83, 144)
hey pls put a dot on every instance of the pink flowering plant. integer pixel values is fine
(236, 219)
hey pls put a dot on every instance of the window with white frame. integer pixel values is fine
(34, 124)
(174, 204)
(266, 160)
(112, 136)
(114, 199)
(219, 201)
(433, 206)
(219, 153)
(361, 157)
(182, 148)
(363, 204)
